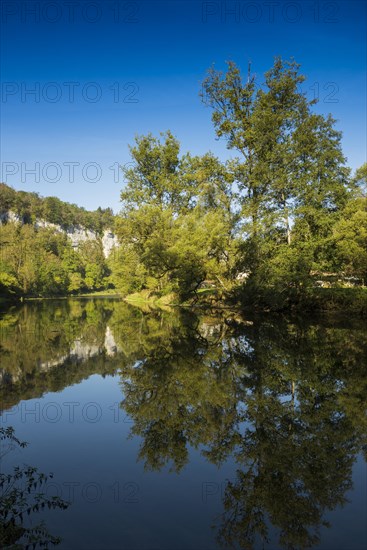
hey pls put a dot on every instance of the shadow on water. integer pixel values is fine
(284, 399)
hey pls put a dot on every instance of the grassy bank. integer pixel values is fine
(147, 298)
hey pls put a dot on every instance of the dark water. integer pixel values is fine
(181, 431)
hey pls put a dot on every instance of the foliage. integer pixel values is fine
(284, 209)
(349, 239)
(299, 208)
(41, 262)
(30, 206)
(281, 214)
(21, 497)
(176, 224)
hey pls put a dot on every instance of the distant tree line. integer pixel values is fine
(30, 207)
(41, 262)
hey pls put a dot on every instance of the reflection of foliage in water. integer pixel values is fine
(176, 390)
(38, 332)
(285, 398)
(39, 337)
(183, 396)
(305, 415)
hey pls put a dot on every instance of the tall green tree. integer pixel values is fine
(290, 171)
(177, 222)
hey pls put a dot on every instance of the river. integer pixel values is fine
(181, 430)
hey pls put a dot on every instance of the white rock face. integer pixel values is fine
(76, 234)
(109, 242)
(79, 235)
(10, 216)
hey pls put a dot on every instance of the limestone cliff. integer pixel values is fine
(76, 233)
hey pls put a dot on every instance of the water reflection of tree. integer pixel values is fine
(43, 331)
(177, 390)
(287, 400)
(305, 415)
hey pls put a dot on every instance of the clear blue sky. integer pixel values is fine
(104, 71)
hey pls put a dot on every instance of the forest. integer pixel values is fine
(38, 261)
(282, 223)
(30, 206)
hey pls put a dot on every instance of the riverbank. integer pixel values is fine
(346, 300)
(15, 300)
(327, 300)
(313, 299)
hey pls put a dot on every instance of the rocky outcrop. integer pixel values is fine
(109, 242)
(76, 234)
(10, 217)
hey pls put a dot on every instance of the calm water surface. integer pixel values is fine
(178, 431)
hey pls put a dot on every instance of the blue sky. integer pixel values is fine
(104, 71)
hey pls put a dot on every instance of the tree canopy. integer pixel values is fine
(263, 227)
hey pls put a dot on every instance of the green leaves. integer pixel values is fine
(174, 250)
(30, 206)
(177, 219)
(40, 262)
(153, 178)
(290, 172)
(19, 498)
(349, 239)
